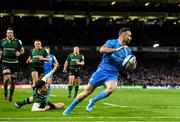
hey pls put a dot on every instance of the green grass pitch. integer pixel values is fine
(122, 105)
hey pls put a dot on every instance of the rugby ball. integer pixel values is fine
(130, 59)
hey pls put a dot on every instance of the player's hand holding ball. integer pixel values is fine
(129, 63)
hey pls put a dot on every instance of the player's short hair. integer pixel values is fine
(37, 40)
(76, 47)
(10, 28)
(39, 84)
(124, 29)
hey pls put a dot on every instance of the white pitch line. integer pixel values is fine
(52, 95)
(121, 106)
(89, 117)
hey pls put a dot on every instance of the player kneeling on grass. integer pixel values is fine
(40, 96)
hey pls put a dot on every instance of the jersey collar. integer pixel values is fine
(9, 39)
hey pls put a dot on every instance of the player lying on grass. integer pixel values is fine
(40, 96)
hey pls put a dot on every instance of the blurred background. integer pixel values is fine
(62, 24)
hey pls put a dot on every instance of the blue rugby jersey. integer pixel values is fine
(48, 66)
(113, 61)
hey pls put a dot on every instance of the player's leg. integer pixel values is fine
(12, 86)
(54, 105)
(6, 80)
(88, 90)
(49, 80)
(19, 104)
(14, 73)
(77, 83)
(1, 72)
(34, 75)
(71, 83)
(94, 81)
(110, 87)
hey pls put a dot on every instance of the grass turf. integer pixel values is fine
(122, 105)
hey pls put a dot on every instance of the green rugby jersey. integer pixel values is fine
(35, 56)
(40, 98)
(72, 58)
(9, 48)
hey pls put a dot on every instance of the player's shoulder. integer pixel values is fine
(112, 40)
(71, 54)
(81, 55)
(51, 55)
(18, 40)
(15, 39)
(43, 49)
(3, 39)
(33, 49)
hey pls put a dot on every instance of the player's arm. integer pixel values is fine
(0, 49)
(49, 74)
(20, 50)
(56, 63)
(35, 108)
(65, 66)
(81, 62)
(0, 53)
(29, 60)
(105, 49)
(47, 58)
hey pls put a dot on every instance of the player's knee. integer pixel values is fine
(31, 99)
(7, 77)
(110, 90)
(87, 93)
(35, 80)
